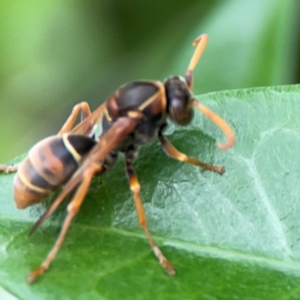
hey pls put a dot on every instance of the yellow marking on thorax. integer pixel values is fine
(135, 114)
(148, 102)
(70, 148)
(163, 99)
(108, 117)
(162, 94)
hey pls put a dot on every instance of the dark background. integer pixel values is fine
(54, 54)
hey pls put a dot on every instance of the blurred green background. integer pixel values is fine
(54, 54)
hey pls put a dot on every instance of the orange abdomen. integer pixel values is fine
(49, 164)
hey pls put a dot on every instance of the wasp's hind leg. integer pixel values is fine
(82, 107)
(9, 168)
(73, 209)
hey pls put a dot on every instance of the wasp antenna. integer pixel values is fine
(200, 42)
(220, 123)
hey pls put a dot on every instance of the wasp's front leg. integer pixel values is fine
(171, 151)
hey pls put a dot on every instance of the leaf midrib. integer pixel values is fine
(286, 265)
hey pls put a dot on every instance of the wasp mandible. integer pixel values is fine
(132, 116)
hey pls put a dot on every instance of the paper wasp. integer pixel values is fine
(132, 116)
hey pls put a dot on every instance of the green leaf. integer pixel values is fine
(234, 236)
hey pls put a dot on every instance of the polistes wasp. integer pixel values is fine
(132, 116)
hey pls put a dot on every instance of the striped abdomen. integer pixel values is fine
(49, 164)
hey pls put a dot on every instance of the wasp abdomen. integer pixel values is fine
(49, 164)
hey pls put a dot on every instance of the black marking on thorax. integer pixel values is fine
(132, 95)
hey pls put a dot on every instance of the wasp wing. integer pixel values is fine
(110, 139)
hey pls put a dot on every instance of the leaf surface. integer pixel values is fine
(234, 236)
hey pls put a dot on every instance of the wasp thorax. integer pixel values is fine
(179, 100)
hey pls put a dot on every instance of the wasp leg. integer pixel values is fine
(55, 204)
(9, 169)
(82, 107)
(171, 151)
(135, 188)
(73, 209)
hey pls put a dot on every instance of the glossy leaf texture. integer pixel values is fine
(234, 236)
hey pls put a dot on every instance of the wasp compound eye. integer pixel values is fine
(179, 113)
